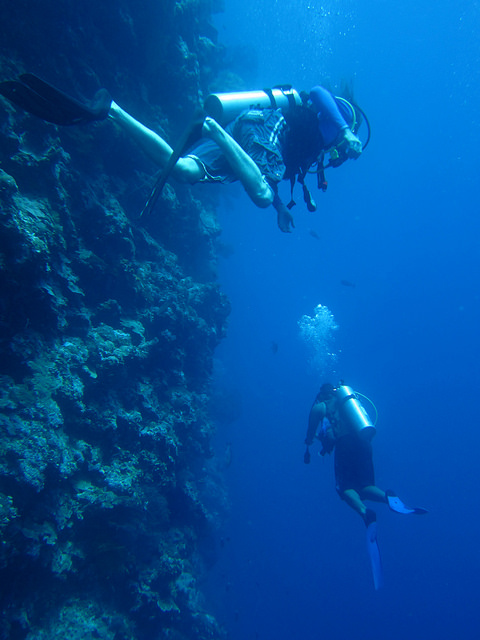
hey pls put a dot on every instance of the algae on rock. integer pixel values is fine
(108, 328)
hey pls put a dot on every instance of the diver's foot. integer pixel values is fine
(369, 516)
(211, 129)
(389, 494)
(100, 105)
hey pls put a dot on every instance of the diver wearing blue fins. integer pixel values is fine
(339, 420)
(256, 137)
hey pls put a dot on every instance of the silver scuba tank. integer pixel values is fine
(225, 107)
(354, 414)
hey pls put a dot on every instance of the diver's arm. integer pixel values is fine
(324, 104)
(317, 413)
(330, 121)
(332, 124)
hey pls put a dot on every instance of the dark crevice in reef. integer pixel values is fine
(108, 493)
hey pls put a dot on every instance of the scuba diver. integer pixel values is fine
(340, 422)
(269, 136)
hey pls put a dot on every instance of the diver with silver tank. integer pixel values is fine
(256, 137)
(340, 422)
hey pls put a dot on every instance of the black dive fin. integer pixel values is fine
(45, 101)
(190, 136)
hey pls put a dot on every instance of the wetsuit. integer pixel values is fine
(268, 137)
(353, 463)
(353, 454)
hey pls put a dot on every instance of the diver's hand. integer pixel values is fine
(284, 217)
(306, 456)
(353, 146)
(285, 220)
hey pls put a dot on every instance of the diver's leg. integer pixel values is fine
(374, 494)
(241, 163)
(155, 147)
(353, 500)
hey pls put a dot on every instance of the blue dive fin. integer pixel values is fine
(397, 505)
(374, 553)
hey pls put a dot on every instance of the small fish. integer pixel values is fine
(314, 234)
(347, 283)
(225, 250)
(274, 347)
(227, 456)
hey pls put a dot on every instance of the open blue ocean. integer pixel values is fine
(402, 225)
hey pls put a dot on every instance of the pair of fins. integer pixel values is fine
(398, 506)
(41, 99)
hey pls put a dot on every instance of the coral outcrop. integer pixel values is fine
(108, 325)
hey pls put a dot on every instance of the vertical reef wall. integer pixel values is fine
(108, 325)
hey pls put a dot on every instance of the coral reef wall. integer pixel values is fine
(108, 324)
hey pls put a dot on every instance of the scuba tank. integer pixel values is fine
(352, 411)
(225, 107)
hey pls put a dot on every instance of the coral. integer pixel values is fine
(83, 620)
(109, 326)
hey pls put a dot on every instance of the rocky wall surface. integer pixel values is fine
(108, 325)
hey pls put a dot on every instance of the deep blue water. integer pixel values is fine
(402, 223)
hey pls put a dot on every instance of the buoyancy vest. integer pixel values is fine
(302, 147)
